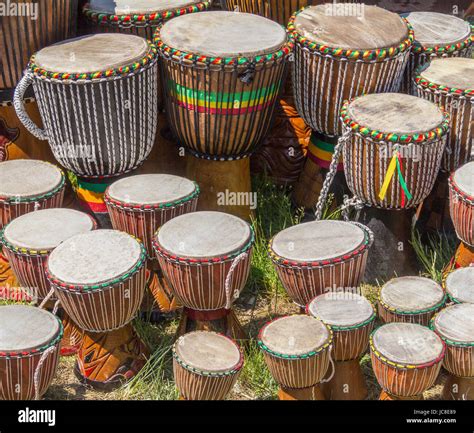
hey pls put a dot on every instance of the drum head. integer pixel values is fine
(456, 323)
(407, 343)
(364, 28)
(151, 189)
(411, 294)
(92, 53)
(204, 235)
(208, 352)
(464, 178)
(317, 240)
(433, 29)
(46, 229)
(395, 113)
(23, 328)
(24, 178)
(127, 7)
(223, 34)
(295, 335)
(95, 257)
(460, 285)
(341, 309)
(452, 72)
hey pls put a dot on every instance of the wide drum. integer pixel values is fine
(351, 318)
(321, 256)
(206, 365)
(29, 351)
(459, 285)
(411, 300)
(406, 359)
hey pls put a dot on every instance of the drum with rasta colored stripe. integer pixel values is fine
(459, 285)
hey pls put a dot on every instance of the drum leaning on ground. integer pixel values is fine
(406, 359)
(320, 256)
(206, 365)
(29, 351)
(449, 82)
(459, 285)
(411, 300)
(394, 150)
(436, 35)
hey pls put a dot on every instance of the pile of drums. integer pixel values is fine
(125, 191)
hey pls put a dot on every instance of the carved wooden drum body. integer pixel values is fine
(459, 285)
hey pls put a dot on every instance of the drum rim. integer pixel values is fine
(445, 286)
(454, 187)
(357, 55)
(446, 340)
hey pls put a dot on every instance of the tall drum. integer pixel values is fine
(459, 285)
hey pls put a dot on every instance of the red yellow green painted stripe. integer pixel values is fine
(321, 152)
(91, 195)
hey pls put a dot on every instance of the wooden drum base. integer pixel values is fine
(106, 360)
(72, 338)
(161, 293)
(310, 393)
(348, 382)
(464, 257)
(458, 388)
(386, 396)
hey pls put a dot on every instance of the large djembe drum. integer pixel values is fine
(222, 74)
(320, 256)
(459, 285)
(338, 57)
(29, 351)
(455, 325)
(205, 257)
(139, 205)
(406, 359)
(351, 318)
(206, 365)
(410, 300)
(436, 35)
(297, 351)
(99, 278)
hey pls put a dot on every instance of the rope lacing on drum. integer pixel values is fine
(354, 202)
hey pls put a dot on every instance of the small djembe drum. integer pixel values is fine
(338, 57)
(320, 256)
(436, 35)
(99, 278)
(206, 365)
(455, 325)
(297, 351)
(139, 205)
(351, 318)
(221, 89)
(29, 351)
(459, 285)
(205, 257)
(410, 300)
(406, 358)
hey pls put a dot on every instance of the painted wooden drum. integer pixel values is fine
(29, 351)
(297, 351)
(29, 185)
(351, 318)
(320, 256)
(98, 102)
(411, 300)
(455, 325)
(459, 285)
(461, 202)
(406, 359)
(99, 277)
(222, 73)
(206, 365)
(436, 35)
(449, 82)
(395, 148)
(34, 26)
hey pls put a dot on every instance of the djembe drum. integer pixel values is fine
(351, 318)
(297, 351)
(410, 300)
(338, 57)
(29, 351)
(459, 285)
(455, 325)
(222, 87)
(320, 256)
(205, 257)
(206, 365)
(406, 359)
(99, 278)
(139, 205)
(436, 35)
